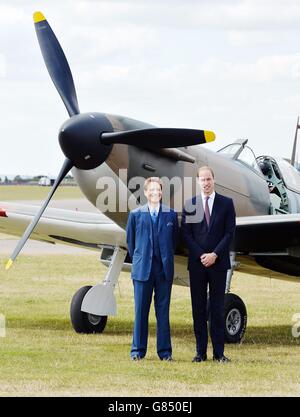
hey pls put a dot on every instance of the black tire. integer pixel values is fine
(84, 322)
(235, 318)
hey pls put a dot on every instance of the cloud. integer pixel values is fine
(248, 15)
(3, 66)
(253, 38)
(224, 15)
(98, 43)
(10, 14)
(231, 66)
(265, 69)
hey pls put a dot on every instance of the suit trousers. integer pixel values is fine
(200, 279)
(143, 291)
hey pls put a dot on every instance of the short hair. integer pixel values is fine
(206, 168)
(152, 179)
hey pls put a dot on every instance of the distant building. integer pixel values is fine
(46, 181)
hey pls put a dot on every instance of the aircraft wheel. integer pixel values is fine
(84, 322)
(235, 318)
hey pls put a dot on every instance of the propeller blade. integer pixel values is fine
(63, 172)
(159, 138)
(56, 63)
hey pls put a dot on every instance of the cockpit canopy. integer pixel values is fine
(289, 173)
(263, 165)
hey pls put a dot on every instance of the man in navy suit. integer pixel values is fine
(208, 225)
(152, 232)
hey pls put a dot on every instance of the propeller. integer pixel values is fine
(60, 73)
(159, 137)
(86, 139)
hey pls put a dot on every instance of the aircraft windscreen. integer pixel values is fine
(241, 153)
(247, 157)
(230, 150)
(290, 174)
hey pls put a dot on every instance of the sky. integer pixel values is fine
(230, 66)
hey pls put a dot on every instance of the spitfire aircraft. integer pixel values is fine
(265, 191)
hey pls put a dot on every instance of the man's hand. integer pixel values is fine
(208, 259)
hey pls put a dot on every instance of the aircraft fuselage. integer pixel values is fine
(247, 188)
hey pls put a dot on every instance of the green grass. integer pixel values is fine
(34, 192)
(42, 355)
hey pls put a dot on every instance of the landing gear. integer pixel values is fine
(85, 322)
(90, 306)
(235, 318)
(235, 312)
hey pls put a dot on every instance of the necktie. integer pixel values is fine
(154, 216)
(206, 211)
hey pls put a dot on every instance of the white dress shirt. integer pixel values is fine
(154, 209)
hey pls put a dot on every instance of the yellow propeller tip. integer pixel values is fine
(209, 136)
(38, 17)
(9, 264)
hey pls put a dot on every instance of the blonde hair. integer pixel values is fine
(206, 168)
(152, 179)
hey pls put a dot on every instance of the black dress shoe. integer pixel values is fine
(199, 358)
(222, 359)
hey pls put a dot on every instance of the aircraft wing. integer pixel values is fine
(254, 234)
(90, 230)
(262, 237)
(271, 233)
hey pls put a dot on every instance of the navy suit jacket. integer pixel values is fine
(139, 234)
(217, 238)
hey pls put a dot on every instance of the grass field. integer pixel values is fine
(32, 192)
(41, 354)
